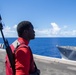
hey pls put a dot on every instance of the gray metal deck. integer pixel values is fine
(47, 65)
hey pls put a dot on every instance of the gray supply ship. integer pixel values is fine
(67, 52)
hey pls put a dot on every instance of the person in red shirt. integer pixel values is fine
(24, 62)
(23, 56)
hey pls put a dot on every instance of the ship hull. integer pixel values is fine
(68, 52)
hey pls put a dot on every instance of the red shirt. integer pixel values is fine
(23, 59)
(24, 63)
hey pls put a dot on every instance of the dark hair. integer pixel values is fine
(23, 25)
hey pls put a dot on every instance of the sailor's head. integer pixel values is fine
(25, 29)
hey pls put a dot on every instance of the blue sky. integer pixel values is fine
(51, 18)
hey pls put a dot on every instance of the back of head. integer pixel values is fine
(23, 25)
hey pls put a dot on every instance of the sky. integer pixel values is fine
(50, 18)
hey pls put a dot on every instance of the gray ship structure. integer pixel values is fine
(67, 52)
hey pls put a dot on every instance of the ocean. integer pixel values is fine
(47, 46)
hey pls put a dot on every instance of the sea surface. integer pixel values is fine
(47, 46)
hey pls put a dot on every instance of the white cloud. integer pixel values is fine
(42, 32)
(53, 31)
(73, 32)
(49, 32)
(14, 26)
(55, 28)
(68, 33)
(10, 31)
(7, 29)
(56, 31)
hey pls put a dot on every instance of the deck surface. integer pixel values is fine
(47, 65)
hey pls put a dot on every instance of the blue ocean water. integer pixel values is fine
(47, 46)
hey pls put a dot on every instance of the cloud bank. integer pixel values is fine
(54, 31)
(10, 31)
